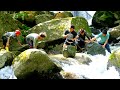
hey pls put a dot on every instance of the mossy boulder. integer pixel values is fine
(63, 14)
(115, 32)
(26, 17)
(32, 18)
(6, 58)
(70, 51)
(7, 23)
(43, 17)
(105, 19)
(114, 58)
(56, 27)
(94, 48)
(35, 64)
(14, 45)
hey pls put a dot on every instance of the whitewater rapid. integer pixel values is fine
(97, 69)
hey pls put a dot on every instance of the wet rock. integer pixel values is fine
(94, 48)
(70, 51)
(114, 60)
(6, 58)
(35, 64)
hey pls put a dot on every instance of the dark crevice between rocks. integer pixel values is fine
(53, 43)
(50, 74)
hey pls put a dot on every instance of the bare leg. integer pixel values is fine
(64, 46)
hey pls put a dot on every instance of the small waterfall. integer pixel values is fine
(88, 15)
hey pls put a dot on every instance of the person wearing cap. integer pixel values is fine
(6, 38)
(104, 36)
(81, 38)
(69, 36)
(33, 38)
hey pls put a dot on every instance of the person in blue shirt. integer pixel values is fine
(104, 36)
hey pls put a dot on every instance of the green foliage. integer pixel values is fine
(20, 15)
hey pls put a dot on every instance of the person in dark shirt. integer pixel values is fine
(81, 38)
(69, 36)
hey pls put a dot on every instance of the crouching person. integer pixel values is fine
(33, 39)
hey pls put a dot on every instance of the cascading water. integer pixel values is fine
(97, 69)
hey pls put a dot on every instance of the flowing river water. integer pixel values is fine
(97, 69)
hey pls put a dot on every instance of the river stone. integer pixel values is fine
(35, 64)
(94, 48)
(114, 58)
(70, 51)
(6, 58)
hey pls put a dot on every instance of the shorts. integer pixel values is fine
(4, 38)
(71, 43)
(29, 42)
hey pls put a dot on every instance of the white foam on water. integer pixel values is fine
(7, 73)
(97, 69)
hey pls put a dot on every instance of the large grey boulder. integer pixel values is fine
(94, 48)
(35, 64)
(6, 58)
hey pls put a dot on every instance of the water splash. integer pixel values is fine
(97, 69)
(7, 73)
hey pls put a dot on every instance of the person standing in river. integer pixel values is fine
(104, 36)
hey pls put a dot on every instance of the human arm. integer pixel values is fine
(65, 35)
(8, 40)
(87, 36)
(94, 38)
(19, 41)
(106, 41)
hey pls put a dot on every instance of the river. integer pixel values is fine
(97, 69)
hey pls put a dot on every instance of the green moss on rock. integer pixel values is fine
(64, 14)
(34, 60)
(7, 23)
(115, 32)
(114, 58)
(56, 27)
(43, 18)
(6, 58)
(80, 22)
(105, 19)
